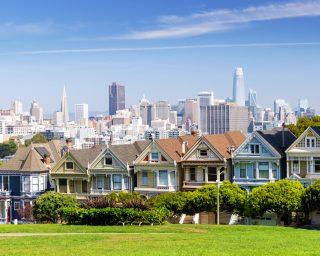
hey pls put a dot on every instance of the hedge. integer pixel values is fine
(114, 216)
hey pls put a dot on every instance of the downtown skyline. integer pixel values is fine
(174, 51)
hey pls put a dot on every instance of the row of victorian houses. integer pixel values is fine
(154, 167)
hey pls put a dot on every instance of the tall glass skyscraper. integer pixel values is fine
(117, 97)
(238, 87)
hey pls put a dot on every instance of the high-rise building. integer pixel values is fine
(145, 109)
(57, 119)
(36, 111)
(191, 110)
(303, 105)
(277, 104)
(227, 117)
(161, 110)
(17, 107)
(81, 114)
(238, 87)
(252, 99)
(205, 99)
(117, 98)
(64, 107)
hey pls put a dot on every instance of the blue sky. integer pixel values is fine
(166, 49)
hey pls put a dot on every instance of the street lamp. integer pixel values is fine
(218, 197)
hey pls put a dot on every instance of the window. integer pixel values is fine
(145, 178)
(126, 182)
(295, 166)
(263, 170)
(243, 170)
(5, 183)
(203, 152)
(108, 161)
(117, 181)
(212, 174)
(193, 174)
(69, 165)
(163, 178)
(16, 206)
(254, 149)
(274, 171)
(63, 185)
(316, 164)
(154, 157)
(84, 186)
(26, 184)
(35, 184)
(41, 183)
(99, 182)
(311, 142)
(172, 176)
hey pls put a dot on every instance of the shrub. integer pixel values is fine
(99, 203)
(47, 207)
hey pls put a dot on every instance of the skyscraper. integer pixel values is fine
(117, 97)
(81, 114)
(64, 107)
(238, 87)
(252, 99)
(36, 111)
(17, 107)
(204, 99)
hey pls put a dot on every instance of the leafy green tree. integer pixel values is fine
(36, 139)
(48, 207)
(8, 149)
(281, 197)
(302, 124)
(311, 198)
(232, 198)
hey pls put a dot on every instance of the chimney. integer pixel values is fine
(194, 133)
(47, 160)
(69, 143)
(283, 127)
(183, 150)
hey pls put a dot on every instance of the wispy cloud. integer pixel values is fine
(219, 20)
(161, 48)
(13, 28)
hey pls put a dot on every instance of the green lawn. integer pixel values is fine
(160, 240)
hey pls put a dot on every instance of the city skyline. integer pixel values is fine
(175, 47)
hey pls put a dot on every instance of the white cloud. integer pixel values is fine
(218, 20)
(12, 28)
(161, 48)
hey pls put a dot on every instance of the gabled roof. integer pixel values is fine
(173, 147)
(29, 159)
(316, 129)
(275, 137)
(299, 139)
(222, 142)
(127, 153)
(86, 156)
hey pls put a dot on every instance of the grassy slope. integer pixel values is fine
(178, 240)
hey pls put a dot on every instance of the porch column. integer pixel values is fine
(257, 170)
(288, 171)
(206, 175)
(68, 186)
(270, 170)
(122, 182)
(218, 173)
(157, 179)
(186, 174)
(111, 182)
(312, 165)
(57, 185)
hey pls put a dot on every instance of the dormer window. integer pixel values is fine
(203, 152)
(108, 160)
(69, 165)
(311, 142)
(154, 157)
(254, 149)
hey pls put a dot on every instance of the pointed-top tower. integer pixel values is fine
(64, 106)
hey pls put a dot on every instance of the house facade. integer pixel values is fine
(208, 160)
(261, 158)
(303, 157)
(23, 178)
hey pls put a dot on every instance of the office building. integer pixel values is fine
(81, 114)
(117, 97)
(204, 99)
(238, 87)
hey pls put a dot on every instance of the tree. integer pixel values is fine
(48, 207)
(8, 149)
(36, 139)
(281, 197)
(302, 124)
(311, 198)
(232, 198)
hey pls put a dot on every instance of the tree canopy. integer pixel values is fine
(36, 139)
(8, 149)
(302, 124)
(281, 197)
(311, 198)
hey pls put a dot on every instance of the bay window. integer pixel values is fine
(117, 181)
(263, 170)
(163, 178)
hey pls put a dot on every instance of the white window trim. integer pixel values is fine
(154, 160)
(2, 183)
(16, 203)
(142, 180)
(105, 160)
(293, 171)
(255, 144)
(314, 139)
(23, 183)
(168, 178)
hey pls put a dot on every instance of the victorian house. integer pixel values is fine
(25, 177)
(261, 158)
(303, 157)
(208, 160)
